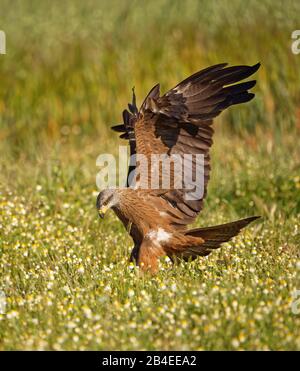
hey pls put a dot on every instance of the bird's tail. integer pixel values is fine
(213, 237)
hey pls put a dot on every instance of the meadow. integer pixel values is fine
(65, 78)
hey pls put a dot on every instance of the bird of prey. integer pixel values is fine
(178, 122)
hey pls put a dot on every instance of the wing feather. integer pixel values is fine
(179, 122)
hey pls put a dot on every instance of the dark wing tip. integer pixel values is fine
(124, 136)
(119, 128)
(132, 106)
(255, 67)
(252, 218)
(246, 221)
(243, 98)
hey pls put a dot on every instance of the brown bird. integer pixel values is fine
(177, 123)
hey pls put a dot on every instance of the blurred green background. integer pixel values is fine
(70, 67)
(65, 78)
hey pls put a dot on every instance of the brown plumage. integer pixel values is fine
(177, 123)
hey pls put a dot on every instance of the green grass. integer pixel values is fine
(65, 79)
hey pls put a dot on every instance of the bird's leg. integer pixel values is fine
(147, 263)
(134, 254)
(175, 260)
(148, 257)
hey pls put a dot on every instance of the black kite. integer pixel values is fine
(179, 122)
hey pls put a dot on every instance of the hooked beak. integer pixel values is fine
(102, 211)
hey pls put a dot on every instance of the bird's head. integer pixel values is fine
(106, 200)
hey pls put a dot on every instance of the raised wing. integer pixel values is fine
(179, 123)
(127, 129)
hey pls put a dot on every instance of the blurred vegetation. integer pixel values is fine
(65, 79)
(72, 65)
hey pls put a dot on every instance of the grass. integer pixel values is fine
(67, 75)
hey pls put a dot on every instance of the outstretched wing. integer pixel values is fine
(179, 123)
(127, 129)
